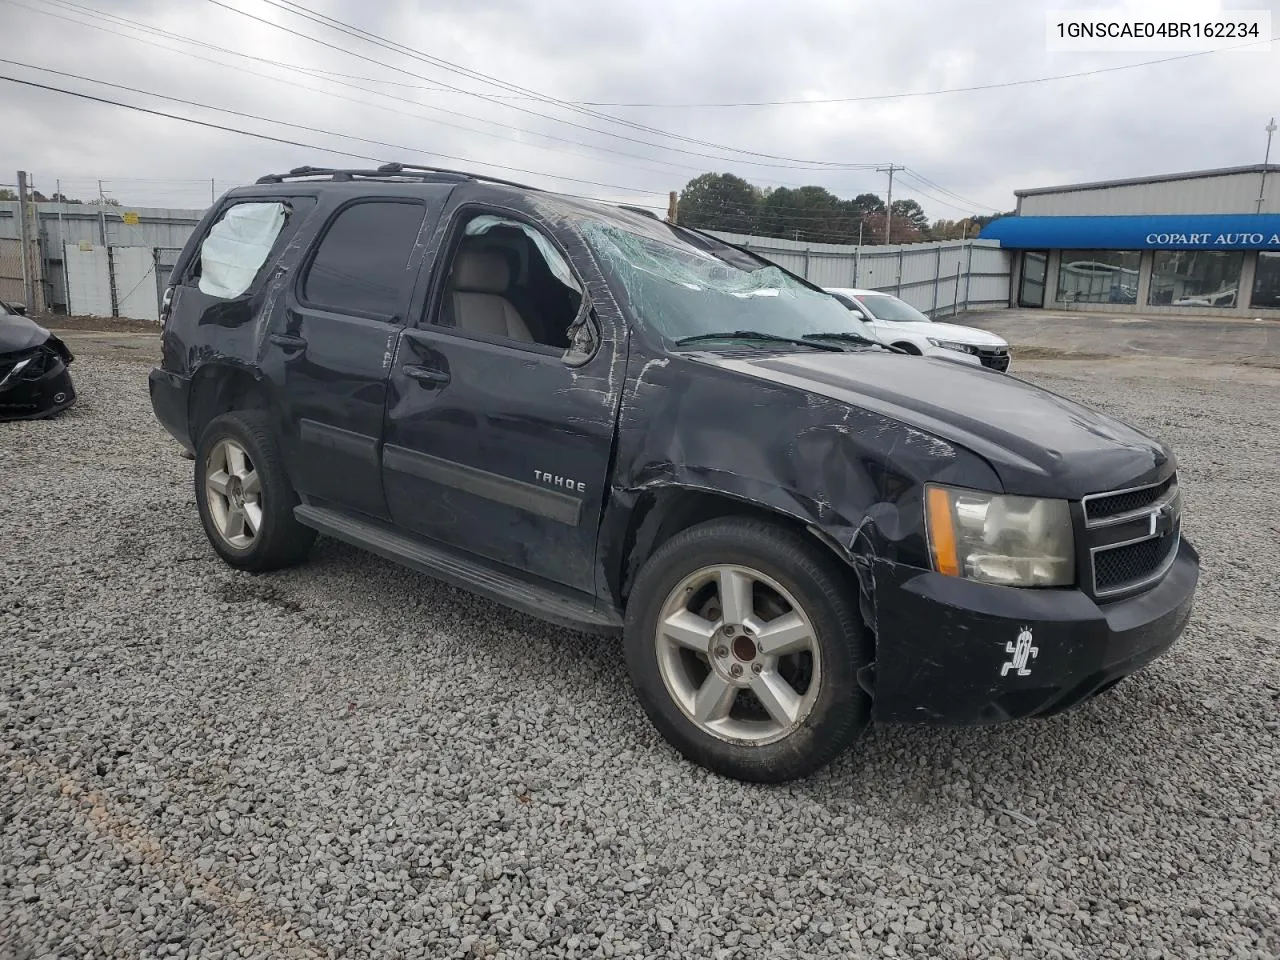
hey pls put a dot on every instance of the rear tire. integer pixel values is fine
(244, 496)
(744, 645)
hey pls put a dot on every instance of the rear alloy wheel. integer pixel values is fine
(244, 496)
(233, 491)
(744, 647)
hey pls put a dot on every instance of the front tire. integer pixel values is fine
(244, 496)
(744, 646)
(909, 348)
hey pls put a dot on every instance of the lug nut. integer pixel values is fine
(736, 670)
(722, 651)
(756, 668)
(727, 629)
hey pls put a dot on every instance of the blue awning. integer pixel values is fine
(1228, 231)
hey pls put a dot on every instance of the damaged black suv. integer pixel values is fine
(625, 426)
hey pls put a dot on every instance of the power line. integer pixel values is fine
(328, 133)
(357, 33)
(920, 177)
(310, 73)
(932, 93)
(246, 133)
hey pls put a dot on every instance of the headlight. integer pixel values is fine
(995, 538)
(953, 345)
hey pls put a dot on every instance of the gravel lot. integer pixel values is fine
(350, 760)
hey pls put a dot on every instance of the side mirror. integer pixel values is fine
(19, 308)
(584, 338)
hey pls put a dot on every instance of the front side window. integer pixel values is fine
(689, 286)
(1098, 276)
(362, 265)
(1266, 282)
(1196, 278)
(508, 282)
(237, 246)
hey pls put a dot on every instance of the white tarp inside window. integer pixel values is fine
(555, 262)
(237, 246)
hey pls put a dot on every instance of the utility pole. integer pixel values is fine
(212, 197)
(888, 203)
(27, 241)
(673, 207)
(1271, 128)
(102, 215)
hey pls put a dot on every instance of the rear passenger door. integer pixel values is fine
(331, 347)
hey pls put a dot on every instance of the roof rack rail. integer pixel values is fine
(384, 172)
(415, 168)
(640, 210)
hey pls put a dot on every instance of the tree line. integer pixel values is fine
(38, 197)
(722, 201)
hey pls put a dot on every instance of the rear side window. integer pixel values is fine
(362, 263)
(237, 246)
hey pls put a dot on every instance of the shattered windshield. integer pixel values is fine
(685, 291)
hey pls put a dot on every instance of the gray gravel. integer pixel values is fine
(349, 760)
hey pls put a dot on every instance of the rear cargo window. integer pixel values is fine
(237, 246)
(362, 264)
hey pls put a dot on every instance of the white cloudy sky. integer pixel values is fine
(1205, 111)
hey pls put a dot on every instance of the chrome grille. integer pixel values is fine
(1132, 535)
(1102, 506)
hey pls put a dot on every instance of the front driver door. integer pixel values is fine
(496, 445)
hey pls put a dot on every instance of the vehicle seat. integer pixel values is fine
(480, 280)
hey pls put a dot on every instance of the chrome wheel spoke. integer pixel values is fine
(735, 595)
(218, 481)
(252, 485)
(788, 633)
(237, 462)
(252, 513)
(714, 698)
(235, 523)
(779, 698)
(689, 630)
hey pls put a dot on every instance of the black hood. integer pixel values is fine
(17, 333)
(1039, 444)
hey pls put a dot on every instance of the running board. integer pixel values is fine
(461, 572)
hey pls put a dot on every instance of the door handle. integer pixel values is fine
(288, 341)
(425, 374)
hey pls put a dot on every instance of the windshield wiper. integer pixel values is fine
(850, 336)
(756, 335)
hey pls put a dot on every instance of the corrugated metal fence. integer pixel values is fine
(937, 278)
(115, 261)
(96, 260)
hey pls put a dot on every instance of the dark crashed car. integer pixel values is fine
(630, 427)
(34, 379)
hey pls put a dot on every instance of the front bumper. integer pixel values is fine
(953, 651)
(170, 395)
(44, 396)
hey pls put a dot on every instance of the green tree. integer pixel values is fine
(719, 201)
(6, 194)
(809, 213)
(912, 215)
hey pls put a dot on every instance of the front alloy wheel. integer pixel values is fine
(744, 646)
(738, 654)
